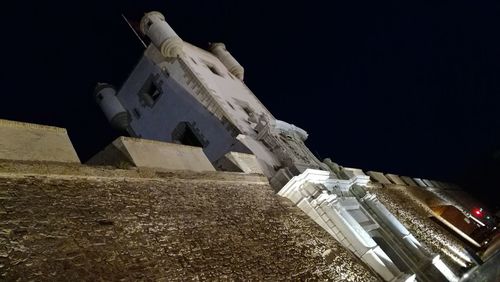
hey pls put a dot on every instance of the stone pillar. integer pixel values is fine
(395, 179)
(396, 227)
(360, 242)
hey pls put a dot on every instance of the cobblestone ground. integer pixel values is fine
(415, 216)
(63, 228)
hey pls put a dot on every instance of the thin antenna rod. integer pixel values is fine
(135, 32)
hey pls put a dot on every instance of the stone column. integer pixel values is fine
(358, 240)
(396, 227)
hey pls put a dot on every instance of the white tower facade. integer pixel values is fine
(183, 94)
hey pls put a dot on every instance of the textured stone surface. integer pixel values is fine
(27, 141)
(239, 162)
(163, 226)
(152, 154)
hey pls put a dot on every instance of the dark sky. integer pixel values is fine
(410, 88)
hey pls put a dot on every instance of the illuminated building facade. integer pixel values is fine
(180, 93)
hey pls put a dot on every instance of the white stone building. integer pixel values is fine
(183, 94)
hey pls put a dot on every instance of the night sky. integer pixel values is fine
(408, 88)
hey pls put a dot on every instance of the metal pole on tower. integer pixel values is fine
(134, 31)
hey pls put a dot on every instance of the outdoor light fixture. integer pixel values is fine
(478, 212)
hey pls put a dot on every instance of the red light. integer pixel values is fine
(478, 212)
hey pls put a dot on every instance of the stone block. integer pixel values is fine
(409, 181)
(395, 179)
(378, 177)
(419, 182)
(428, 183)
(33, 142)
(152, 154)
(239, 162)
(352, 172)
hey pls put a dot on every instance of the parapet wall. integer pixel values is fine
(186, 226)
(33, 142)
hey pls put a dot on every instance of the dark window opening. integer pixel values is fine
(150, 92)
(193, 61)
(247, 110)
(188, 138)
(137, 114)
(214, 70)
(153, 92)
(186, 134)
(231, 105)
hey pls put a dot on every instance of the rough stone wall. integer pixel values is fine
(414, 215)
(173, 227)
